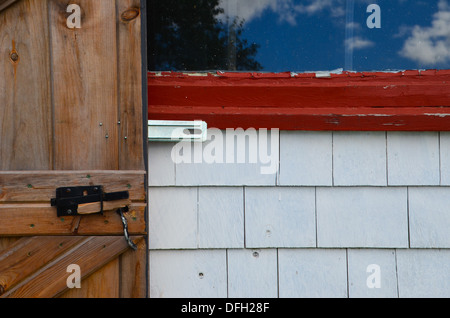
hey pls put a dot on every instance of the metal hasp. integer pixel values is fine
(69, 199)
(167, 131)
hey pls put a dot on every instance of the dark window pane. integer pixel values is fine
(298, 35)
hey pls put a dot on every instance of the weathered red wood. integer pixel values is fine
(409, 100)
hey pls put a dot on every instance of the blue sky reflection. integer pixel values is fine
(314, 35)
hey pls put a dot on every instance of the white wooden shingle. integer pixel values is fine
(413, 158)
(372, 273)
(429, 217)
(247, 163)
(279, 217)
(188, 274)
(359, 159)
(227, 230)
(445, 157)
(423, 273)
(312, 273)
(161, 166)
(305, 158)
(221, 218)
(252, 273)
(362, 217)
(172, 218)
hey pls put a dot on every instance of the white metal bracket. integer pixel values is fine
(167, 131)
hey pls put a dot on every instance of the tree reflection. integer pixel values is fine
(187, 35)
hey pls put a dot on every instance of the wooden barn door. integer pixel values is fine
(71, 115)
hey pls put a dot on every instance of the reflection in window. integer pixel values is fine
(298, 35)
(195, 35)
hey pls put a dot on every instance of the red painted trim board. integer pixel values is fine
(405, 100)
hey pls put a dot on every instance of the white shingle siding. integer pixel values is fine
(306, 158)
(444, 143)
(429, 217)
(162, 171)
(413, 158)
(359, 271)
(225, 169)
(173, 218)
(252, 273)
(359, 158)
(188, 273)
(308, 273)
(221, 217)
(423, 273)
(280, 217)
(338, 203)
(362, 217)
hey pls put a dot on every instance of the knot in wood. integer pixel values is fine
(14, 56)
(130, 14)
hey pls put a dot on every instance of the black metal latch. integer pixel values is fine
(73, 201)
(69, 200)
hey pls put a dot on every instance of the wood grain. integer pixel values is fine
(6, 3)
(6, 242)
(29, 255)
(133, 272)
(133, 264)
(84, 63)
(40, 219)
(403, 101)
(25, 202)
(105, 283)
(72, 96)
(130, 85)
(91, 254)
(40, 186)
(25, 97)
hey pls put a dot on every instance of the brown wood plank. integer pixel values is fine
(94, 76)
(133, 264)
(133, 270)
(6, 242)
(25, 91)
(40, 186)
(51, 281)
(6, 3)
(84, 65)
(41, 219)
(105, 283)
(130, 85)
(28, 255)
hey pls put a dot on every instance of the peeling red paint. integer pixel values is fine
(406, 100)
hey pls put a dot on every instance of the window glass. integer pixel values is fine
(298, 35)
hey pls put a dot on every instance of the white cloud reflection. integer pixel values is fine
(430, 45)
(357, 43)
(287, 10)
